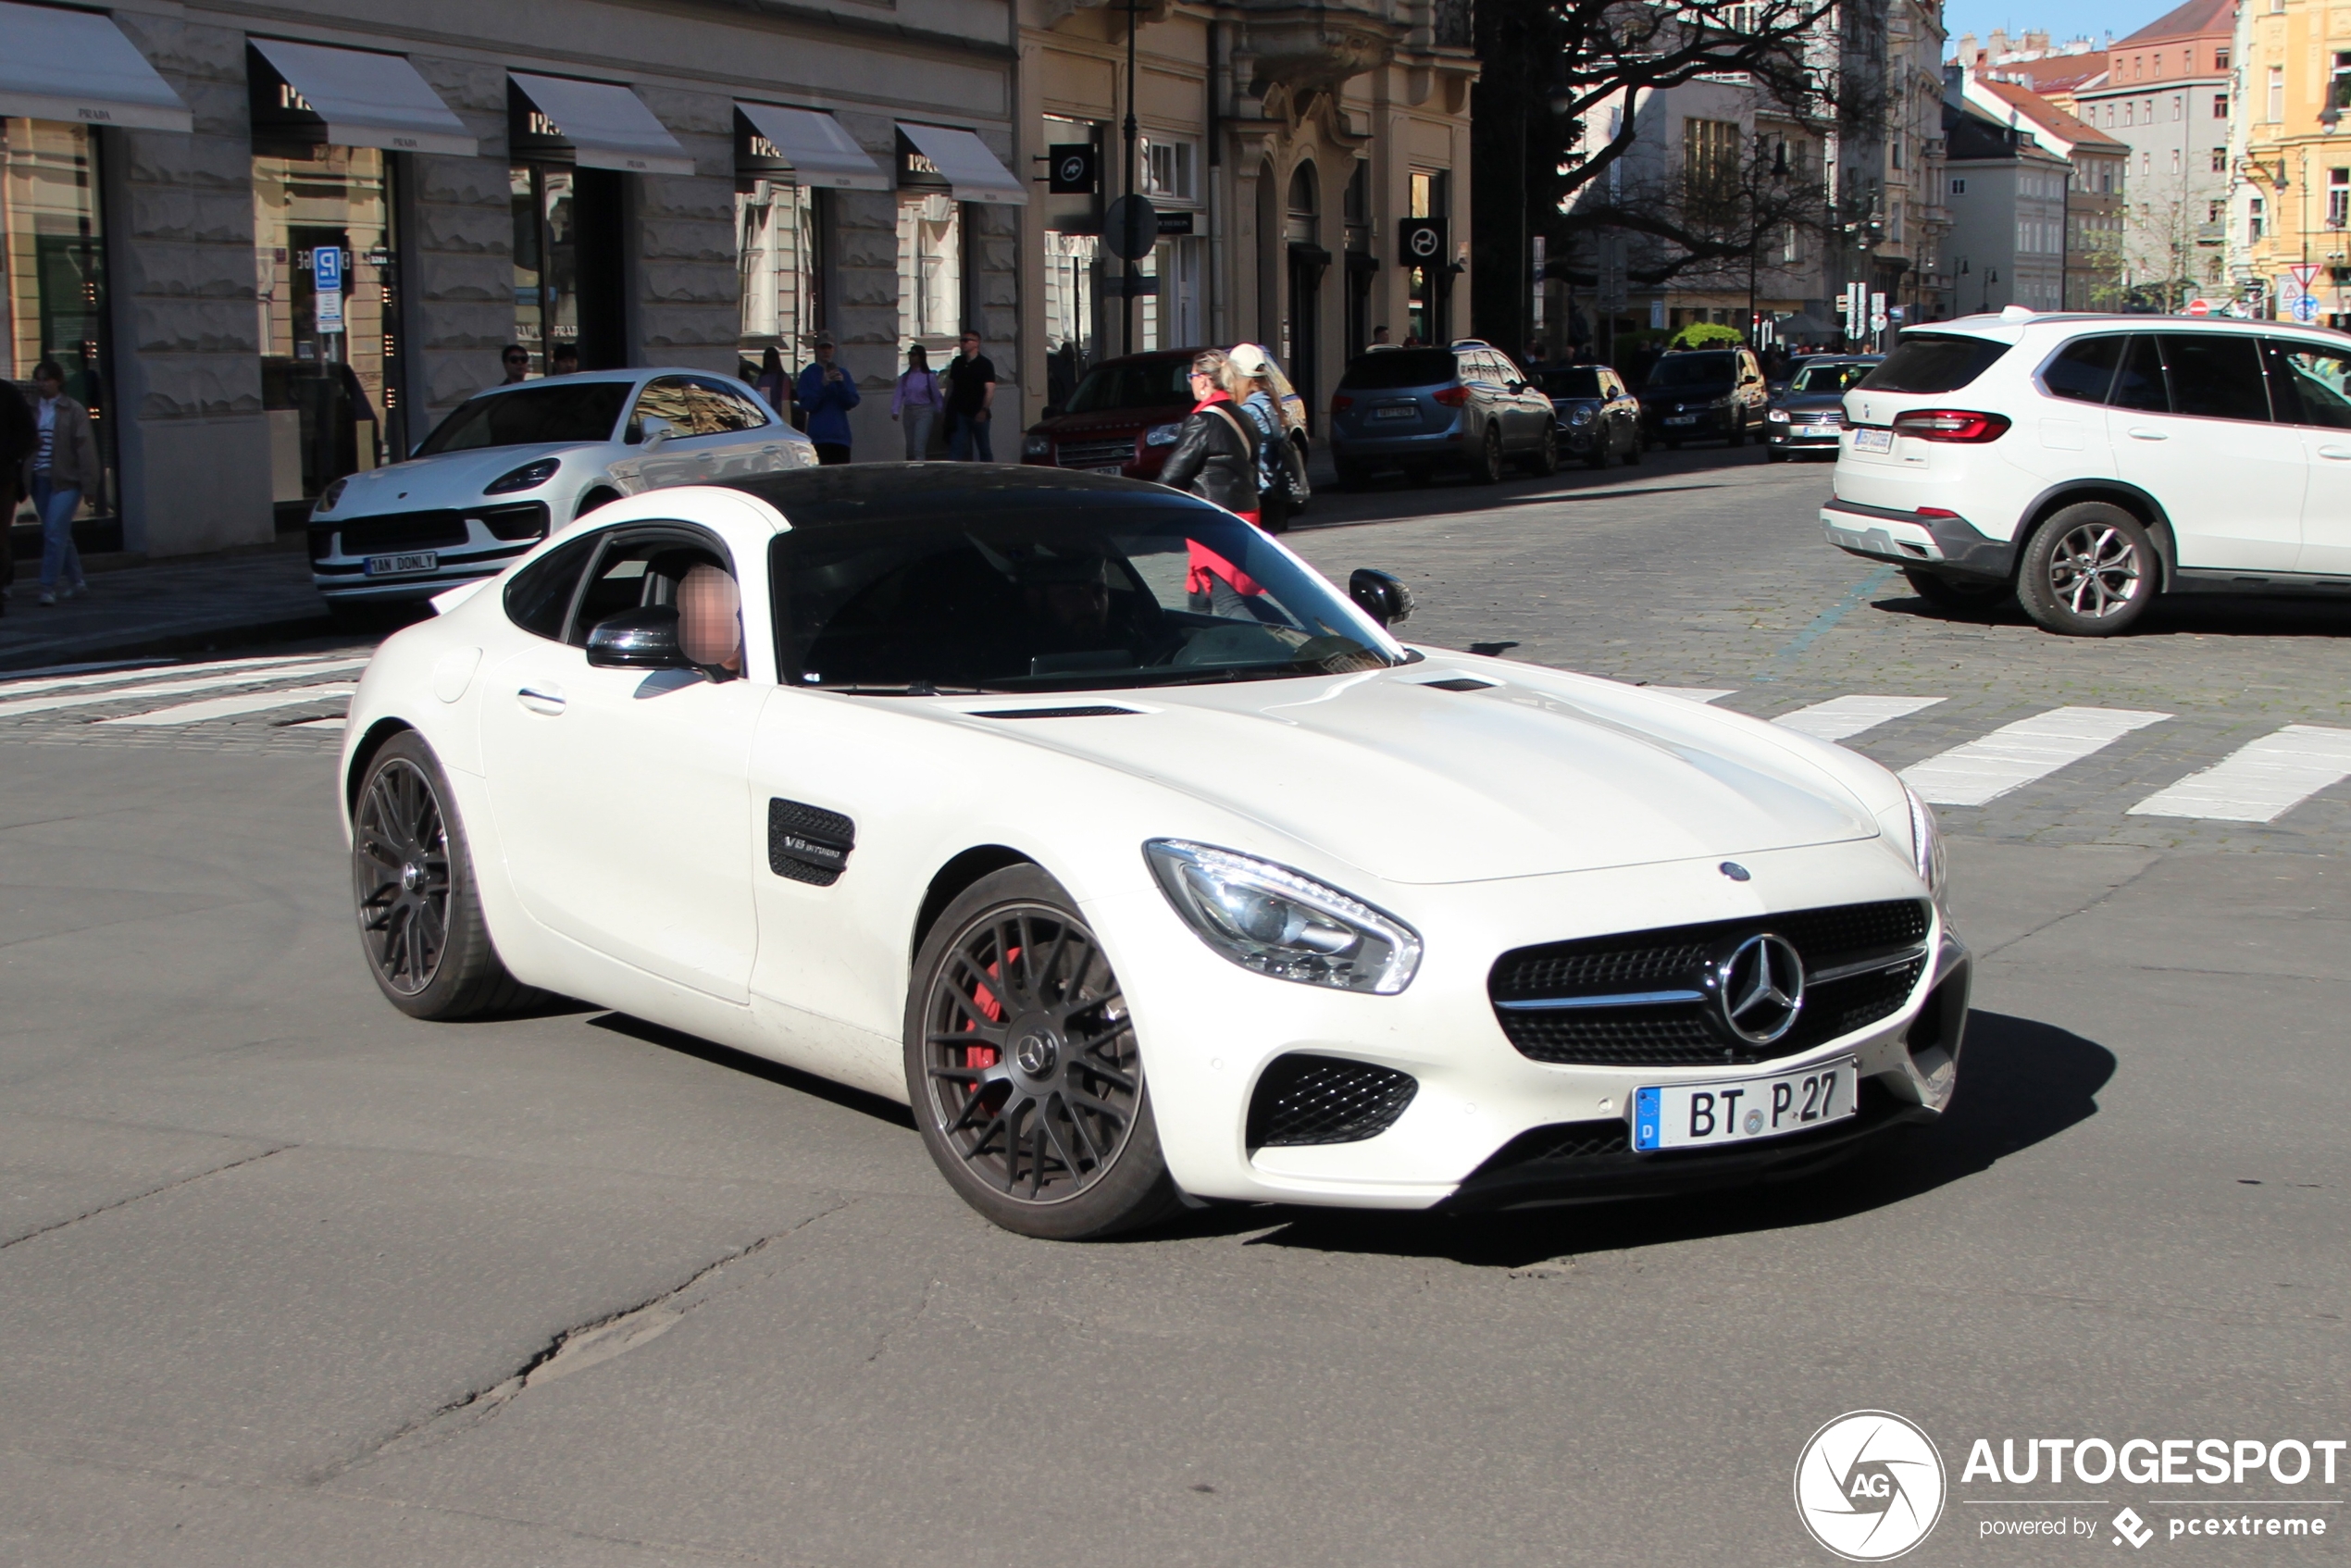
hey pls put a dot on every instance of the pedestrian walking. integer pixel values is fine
(1215, 459)
(563, 360)
(774, 384)
(64, 464)
(917, 403)
(826, 393)
(971, 391)
(1264, 398)
(18, 437)
(515, 360)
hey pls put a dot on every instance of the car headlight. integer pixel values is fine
(334, 493)
(1037, 446)
(1777, 415)
(1163, 435)
(1927, 844)
(531, 476)
(1584, 416)
(1282, 923)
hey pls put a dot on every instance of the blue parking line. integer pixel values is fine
(1821, 622)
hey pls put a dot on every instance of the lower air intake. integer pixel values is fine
(1304, 1099)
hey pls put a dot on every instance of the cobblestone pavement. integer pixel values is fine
(1698, 570)
(171, 607)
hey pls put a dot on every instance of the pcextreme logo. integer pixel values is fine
(1869, 1485)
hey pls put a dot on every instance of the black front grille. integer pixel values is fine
(1095, 453)
(525, 520)
(396, 532)
(1303, 1098)
(1689, 1033)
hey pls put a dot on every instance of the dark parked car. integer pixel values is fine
(1425, 409)
(1704, 394)
(1810, 416)
(1596, 418)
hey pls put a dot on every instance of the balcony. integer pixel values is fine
(1312, 47)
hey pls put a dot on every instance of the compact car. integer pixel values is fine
(1466, 408)
(510, 466)
(1810, 416)
(1704, 394)
(1145, 865)
(1595, 418)
(2088, 463)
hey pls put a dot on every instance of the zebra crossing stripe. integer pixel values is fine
(244, 703)
(130, 674)
(1842, 717)
(2015, 754)
(175, 687)
(2259, 781)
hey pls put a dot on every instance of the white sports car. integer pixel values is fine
(1142, 862)
(510, 465)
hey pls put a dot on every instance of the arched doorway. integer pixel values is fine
(1302, 233)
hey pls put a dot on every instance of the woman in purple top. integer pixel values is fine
(918, 400)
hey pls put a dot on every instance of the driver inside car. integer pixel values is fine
(710, 618)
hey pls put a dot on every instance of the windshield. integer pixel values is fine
(1933, 362)
(1135, 383)
(1823, 378)
(550, 412)
(1582, 381)
(1101, 596)
(1394, 367)
(1691, 370)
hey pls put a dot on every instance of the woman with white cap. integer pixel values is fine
(1263, 399)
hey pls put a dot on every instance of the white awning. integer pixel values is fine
(819, 151)
(970, 169)
(77, 65)
(608, 126)
(369, 100)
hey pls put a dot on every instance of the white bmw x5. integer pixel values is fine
(2089, 462)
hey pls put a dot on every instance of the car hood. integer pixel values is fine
(1702, 392)
(1418, 785)
(1109, 422)
(448, 479)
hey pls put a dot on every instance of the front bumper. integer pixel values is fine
(1793, 437)
(1908, 539)
(1211, 1030)
(1704, 425)
(480, 542)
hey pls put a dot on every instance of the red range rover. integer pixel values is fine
(1122, 418)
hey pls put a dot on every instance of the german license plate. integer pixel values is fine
(1743, 1110)
(1873, 441)
(1681, 418)
(400, 565)
(1404, 411)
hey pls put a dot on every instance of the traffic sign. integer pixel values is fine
(1130, 227)
(2304, 274)
(326, 278)
(1422, 241)
(2199, 307)
(2306, 308)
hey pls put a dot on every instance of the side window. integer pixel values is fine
(664, 398)
(2215, 376)
(2139, 384)
(2084, 370)
(1474, 367)
(2312, 385)
(539, 595)
(724, 408)
(634, 571)
(1506, 370)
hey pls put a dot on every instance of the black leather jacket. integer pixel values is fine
(1212, 460)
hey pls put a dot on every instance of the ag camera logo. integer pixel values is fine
(1869, 1485)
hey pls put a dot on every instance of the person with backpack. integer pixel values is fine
(1216, 459)
(1259, 392)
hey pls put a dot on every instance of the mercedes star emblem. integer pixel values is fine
(1759, 988)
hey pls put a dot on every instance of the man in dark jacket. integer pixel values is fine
(1216, 459)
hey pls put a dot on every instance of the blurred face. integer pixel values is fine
(1080, 609)
(1202, 384)
(823, 354)
(517, 362)
(47, 386)
(709, 623)
(971, 344)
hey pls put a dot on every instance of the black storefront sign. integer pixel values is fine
(915, 171)
(1072, 168)
(1174, 223)
(1421, 241)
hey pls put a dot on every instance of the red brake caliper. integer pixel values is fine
(985, 1055)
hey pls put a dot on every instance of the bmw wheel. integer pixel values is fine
(1024, 1070)
(412, 882)
(2090, 571)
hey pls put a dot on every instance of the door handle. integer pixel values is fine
(2139, 432)
(2340, 454)
(549, 702)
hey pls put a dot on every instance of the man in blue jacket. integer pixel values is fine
(826, 393)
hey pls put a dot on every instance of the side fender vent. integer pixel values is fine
(808, 843)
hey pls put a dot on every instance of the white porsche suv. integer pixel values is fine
(2088, 463)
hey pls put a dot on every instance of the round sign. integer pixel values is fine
(2199, 307)
(1130, 227)
(1074, 170)
(1423, 243)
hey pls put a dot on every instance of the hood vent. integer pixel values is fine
(1090, 711)
(1459, 683)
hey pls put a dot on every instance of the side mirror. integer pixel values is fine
(653, 430)
(645, 638)
(1381, 595)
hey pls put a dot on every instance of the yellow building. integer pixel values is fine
(2290, 159)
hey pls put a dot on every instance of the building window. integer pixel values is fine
(1427, 301)
(1959, 187)
(2220, 160)
(2127, 114)
(2338, 197)
(2219, 105)
(2257, 212)
(1894, 223)
(2220, 59)
(2277, 94)
(2146, 163)
(2175, 160)
(2178, 106)
(53, 282)
(2339, 82)
(1167, 170)
(567, 263)
(324, 353)
(930, 273)
(776, 252)
(1709, 164)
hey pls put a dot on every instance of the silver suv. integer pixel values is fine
(1429, 409)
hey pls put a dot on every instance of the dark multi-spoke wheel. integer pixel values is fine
(412, 884)
(2089, 572)
(1022, 1066)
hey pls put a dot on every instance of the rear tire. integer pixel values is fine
(1488, 468)
(412, 882)
(1029, 1077)
(2090, 571)
(1965, 597)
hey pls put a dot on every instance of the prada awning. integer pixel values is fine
(812, 145)
(962, 160)
(352, 98)
(601, 125)
(77, 65)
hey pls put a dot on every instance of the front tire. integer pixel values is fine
(1487, 469)
(2091, 572)
(1025, 1074)
(1545, 461)
(412, 882)
(1633, 450)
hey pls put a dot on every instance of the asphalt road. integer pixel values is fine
(286, 1278)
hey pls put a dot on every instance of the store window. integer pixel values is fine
(778, 250)
(1428, 290)
(53, 284)
(325, 263)
(1073, 257)
(930, 273)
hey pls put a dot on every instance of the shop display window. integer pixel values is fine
(53, 283)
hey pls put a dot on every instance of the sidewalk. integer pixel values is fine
(171, 607)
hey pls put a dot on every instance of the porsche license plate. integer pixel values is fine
(1873, 441)
(1743, 1110)
(400, 565)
